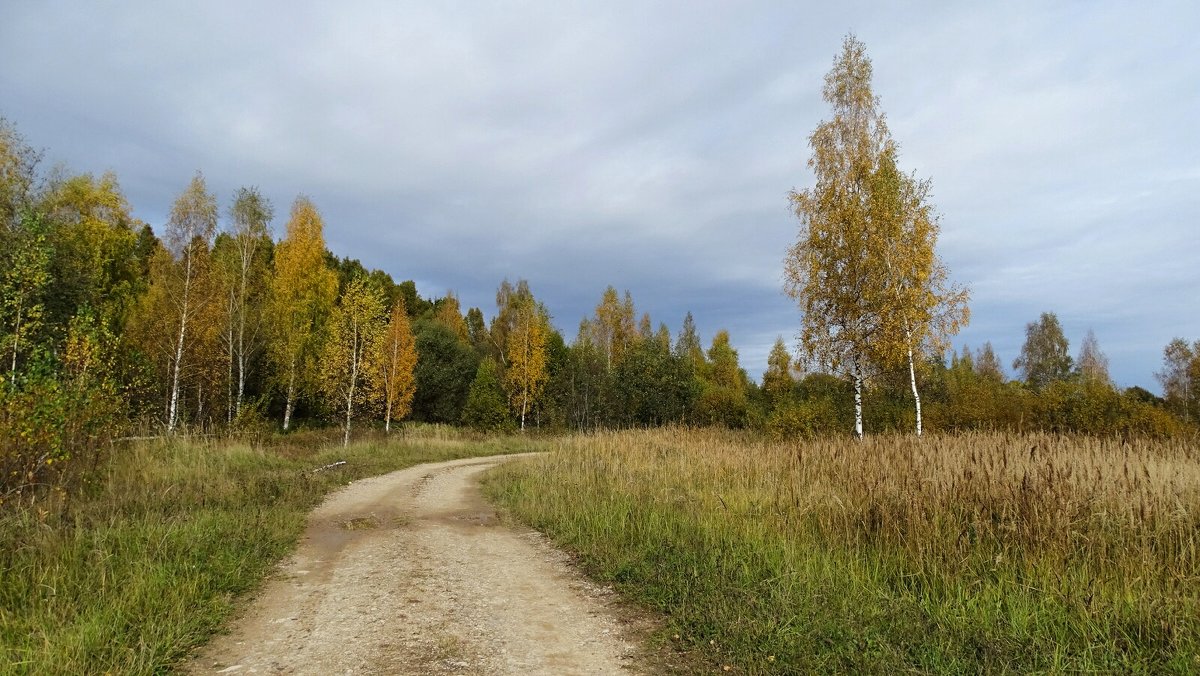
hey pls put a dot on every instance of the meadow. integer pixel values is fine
(152, 552)
(949, 554)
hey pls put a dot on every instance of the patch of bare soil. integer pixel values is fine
(411, 573)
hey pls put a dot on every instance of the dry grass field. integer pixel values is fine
(966, 553)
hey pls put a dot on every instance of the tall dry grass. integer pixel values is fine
(951, 553)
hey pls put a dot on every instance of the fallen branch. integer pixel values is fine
(332, 465)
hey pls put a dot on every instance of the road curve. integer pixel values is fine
(410, 573)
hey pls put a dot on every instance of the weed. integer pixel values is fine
(969, 553)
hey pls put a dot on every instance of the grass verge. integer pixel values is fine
(952, 554)
(148, 560)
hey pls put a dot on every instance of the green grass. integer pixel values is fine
(149, 559)
(970, 554)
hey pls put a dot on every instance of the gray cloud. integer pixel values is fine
(651, 146)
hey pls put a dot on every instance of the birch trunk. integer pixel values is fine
(524, 399)
(912, 377)
(241, 327)
(229, 381)
(172, 414)
(291, 396)
(354, 358)
(858, 403)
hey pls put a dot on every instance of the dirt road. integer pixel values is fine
(410, 573)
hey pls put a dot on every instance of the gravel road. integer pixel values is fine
(410, 573)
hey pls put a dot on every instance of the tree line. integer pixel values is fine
(209, 324)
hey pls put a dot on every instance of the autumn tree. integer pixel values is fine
(97, 264)
(722, 399)
(303, 290)
(837, 269)
(987, 364)
(448, 311)
(392, 366)
(250, 217)
(354, 329)
(778, 380)
(509, 297)
(188, 235)
(1180, 377)
(924, 309)
(525, 354)
(1044, 357)
(1092, 363)
(612, 326)
(24, 283)
(18, 175)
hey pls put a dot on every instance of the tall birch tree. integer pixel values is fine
(188, 236)
(354, 328)
(836, 270)
(1092, 362)
(250, 217)
(392, 366)
(925, 309)
(1180, 377)
(1044, 356)
(526, 373)
(303, 290)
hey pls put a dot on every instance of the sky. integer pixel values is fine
(651, 146)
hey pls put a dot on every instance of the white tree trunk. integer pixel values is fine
(912, 378)
(291, 396)
(173, 413)
(858, 403)
(229, 381)
(524, 406)
(247, 256)
(354, 350)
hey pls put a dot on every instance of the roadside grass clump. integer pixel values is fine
(150, 556)
(951, 554)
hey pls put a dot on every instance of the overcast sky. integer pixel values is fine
(651, 146)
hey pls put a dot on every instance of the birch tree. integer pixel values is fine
(836, 270)
(303, 290)
(449, 313)
(188, 236)
(1092, 362)
(987, 364)
(392, 366)
(778, 380)
(24, 282)
(354, 328)
(924, 309)
(1180, 376)
(250, 216)
(1044, 356)
(612, 326)
(526, 373)
(508, 299)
